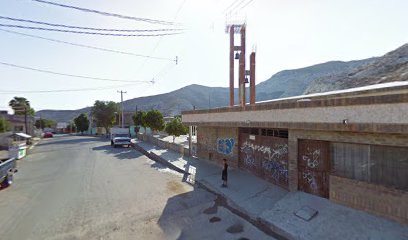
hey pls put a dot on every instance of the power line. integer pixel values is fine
(158, 41)
(236, 6)
(64, 90)
(246, 4)
(90, 33)
(87, 46)
(229, 7)
(89, 28)
(69, 75)
(148, 20)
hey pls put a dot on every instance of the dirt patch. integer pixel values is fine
(175, 187)
(236, 228)
(215, 219)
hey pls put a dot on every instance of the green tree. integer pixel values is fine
(21, 106)
(82, 122)
(71, 127)
(45, 123)
(176, 128)
(154, 120)
(138, 119)
(4, 125)
(104, 113)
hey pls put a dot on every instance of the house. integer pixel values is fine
(349, 146)
(19, 123)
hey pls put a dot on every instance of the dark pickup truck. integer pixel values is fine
(7, 169)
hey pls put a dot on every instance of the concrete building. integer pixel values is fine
(18, 123)
(348, 146)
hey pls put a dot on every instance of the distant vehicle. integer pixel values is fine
(7, 169)
(120, 137)
(48, 135)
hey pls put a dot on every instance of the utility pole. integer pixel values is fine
(25, 119)
(121, 106)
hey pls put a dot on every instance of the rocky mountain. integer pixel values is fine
(333, 75)
(391, 67)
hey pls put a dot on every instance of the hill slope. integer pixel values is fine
(328, 76)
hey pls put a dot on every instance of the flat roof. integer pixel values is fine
(372, 94)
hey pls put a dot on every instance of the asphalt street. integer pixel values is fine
(79, 187)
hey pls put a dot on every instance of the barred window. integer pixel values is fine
(383, 165)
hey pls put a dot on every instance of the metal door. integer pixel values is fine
(314, 167)
(265, 156)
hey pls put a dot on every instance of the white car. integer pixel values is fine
(120, 139)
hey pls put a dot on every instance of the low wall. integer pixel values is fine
(164, 144)
(376, 199)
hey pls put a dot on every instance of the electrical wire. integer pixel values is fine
(246, 4)
(87, 46)
(90, 28)
(235, 7)
(70, 75)
(158, 41)
(64, 90)
(148, 20)
(229, 7)
(90, 33)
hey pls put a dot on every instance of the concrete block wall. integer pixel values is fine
(387, 202)
(163, 144)
(207, 144)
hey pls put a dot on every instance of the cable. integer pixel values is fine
(158, 41)
(90, 33)
(87, 46)
(68, 75)
(65, 90)
(153, 21)
(232, 4)
(235, 7)
(90, 28)
(246, 4)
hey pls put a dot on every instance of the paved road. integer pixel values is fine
(81, 188)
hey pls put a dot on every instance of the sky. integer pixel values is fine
(286, 34)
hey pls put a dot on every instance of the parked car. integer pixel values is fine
(48, 135)
(7, 169)
(120, 137)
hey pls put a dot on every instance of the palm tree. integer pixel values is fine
(20, 105)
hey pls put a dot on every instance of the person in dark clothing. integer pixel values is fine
(225, 173)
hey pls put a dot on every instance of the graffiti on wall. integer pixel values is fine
(276, 162)
(225, 146)
(312, 158)
(310, 179)
(249, 159)
(274, 159)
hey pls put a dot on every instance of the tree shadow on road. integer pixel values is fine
(120, 153)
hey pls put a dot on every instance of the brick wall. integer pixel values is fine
(372, 198)
(207, 144)
(376, 199)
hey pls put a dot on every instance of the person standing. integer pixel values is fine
(225, 173)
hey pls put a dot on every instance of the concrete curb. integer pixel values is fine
(259, 223)
(157, 158)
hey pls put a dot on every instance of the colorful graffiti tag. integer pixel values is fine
(225, 145)
(274, 159)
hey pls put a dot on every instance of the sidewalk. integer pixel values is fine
(275, 207)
